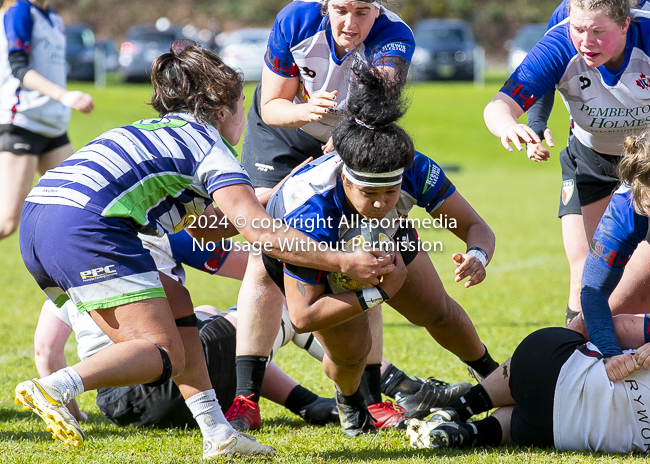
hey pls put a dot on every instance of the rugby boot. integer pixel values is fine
(440, 435)
(238, 444)
(320, 412)
(387, 414)
(60, 423)
(355, 420)
(444, 415)
(244, 414)
(473, 373)
(433, 394)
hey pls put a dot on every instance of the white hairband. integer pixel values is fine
(377, 3)
(373, 179)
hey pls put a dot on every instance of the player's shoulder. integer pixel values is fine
(640, 30)
(19, 10)
(422, 164)
(423, 175)
(312, 183)
(389, 27)
(299, 20)
(622, 198)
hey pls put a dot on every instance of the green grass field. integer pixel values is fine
(526, 289)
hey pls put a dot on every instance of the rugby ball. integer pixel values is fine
(362, 235)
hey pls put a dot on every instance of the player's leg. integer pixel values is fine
(16, 179)
(129, 306)
(57, 151)
(574, 238)
(385, 414)
(447, 428)
(592, 213)
(576, 248)
(346, 349)
(285, 391)
(425, 303)
(259, 316)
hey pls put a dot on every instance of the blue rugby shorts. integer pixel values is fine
(97, 262)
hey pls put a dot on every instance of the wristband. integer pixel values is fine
(370, 297)
(478, 254)
(70, 97)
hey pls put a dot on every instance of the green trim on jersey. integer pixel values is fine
(426, 184)
(230, 147)
(136, 202)
(155, 123)
(122, 299)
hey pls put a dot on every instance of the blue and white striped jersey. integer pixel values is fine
(157, 172)
(605, 104)
(301, 44)
(40, 34)
(313, 200)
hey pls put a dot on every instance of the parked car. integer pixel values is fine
(109, 49)
(444, 50)
(523, 41)
(80, 52)
(244, 49)
(143, 44)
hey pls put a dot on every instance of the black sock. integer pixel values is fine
(298, 398)
(475, 401)
(486, 432)
(250, 375)
(484, 365)
(395, 381)
(355, 399)
(370, 386)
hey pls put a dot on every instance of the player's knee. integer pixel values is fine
(439, 314)
(352, 356)
(177, 358)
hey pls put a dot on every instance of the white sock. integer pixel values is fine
(64, 385)
(207, 412)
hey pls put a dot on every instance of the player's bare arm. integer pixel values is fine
(472, 230)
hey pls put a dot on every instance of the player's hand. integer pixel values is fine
(391, 283)
(366, 267)
(320, 104)
(620, 366)
(468, 266)
(578, 324)
(642, 356)
(328, 147)
(78, 100)
(537, 151)
(518, 134)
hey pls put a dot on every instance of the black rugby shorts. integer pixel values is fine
(534, 370)
(569, 201)
(269, 154)
(20, 141)
(596, 176)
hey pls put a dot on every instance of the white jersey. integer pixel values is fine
(593, 414)
(301, 44)
(605, 104)
(40, 34)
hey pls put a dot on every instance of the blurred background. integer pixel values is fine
(456, 38)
